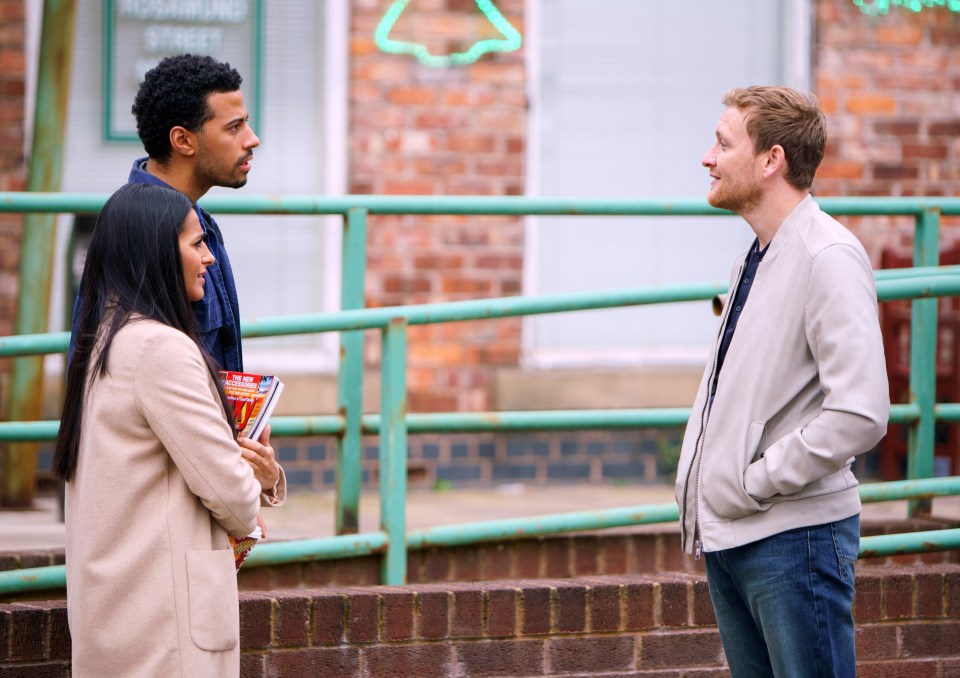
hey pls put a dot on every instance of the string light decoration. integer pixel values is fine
(511, 38)
(875, 7)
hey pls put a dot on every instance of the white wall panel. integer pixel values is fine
(625, 105)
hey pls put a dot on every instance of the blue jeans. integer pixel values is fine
(784, 604)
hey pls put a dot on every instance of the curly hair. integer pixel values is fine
(174, 93)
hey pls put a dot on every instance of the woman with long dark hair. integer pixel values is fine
(155, 477)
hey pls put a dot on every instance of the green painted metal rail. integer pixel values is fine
(474, 205)
(311, 550)
(891, 284)
(480, 422)
(922, 283)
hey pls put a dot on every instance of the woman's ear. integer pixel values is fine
(183, 141)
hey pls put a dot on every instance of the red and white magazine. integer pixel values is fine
(253, 398)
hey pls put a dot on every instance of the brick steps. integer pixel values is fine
(908, 624)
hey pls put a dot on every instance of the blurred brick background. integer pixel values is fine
(449, 131)
(12, 166)
(889, 88)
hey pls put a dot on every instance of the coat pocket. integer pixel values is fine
(723, 491)
(214, 603)
(831, 484)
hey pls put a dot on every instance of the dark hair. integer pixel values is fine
(133, 267)
(784, 116)
(174, 93)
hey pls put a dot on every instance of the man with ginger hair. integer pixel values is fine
(795, 388)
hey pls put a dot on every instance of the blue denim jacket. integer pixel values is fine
(218, 313)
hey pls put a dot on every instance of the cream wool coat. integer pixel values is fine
(151, 582)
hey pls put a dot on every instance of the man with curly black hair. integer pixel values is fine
(195, 128)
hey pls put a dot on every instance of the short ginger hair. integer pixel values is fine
(785, 117)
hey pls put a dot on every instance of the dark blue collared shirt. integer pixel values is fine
(218, 313)
(739, 301)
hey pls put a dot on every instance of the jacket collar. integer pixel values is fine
(802, 213)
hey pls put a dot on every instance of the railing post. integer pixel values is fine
(923, 359)
(393, 451)
(350, 376)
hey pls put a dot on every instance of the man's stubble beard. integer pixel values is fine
(739, 201)
(214, 177)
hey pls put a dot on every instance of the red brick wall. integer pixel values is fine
(595, 554)
(613, 552)
(12, 165)
(888, 85)
(908, 622)
(884, 82)
(589, 603)
(441, 131)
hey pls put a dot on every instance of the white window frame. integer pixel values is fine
(335, 149)
(797, 29)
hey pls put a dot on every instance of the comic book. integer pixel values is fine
(253, 398)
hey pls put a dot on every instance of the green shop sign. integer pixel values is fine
(139, 33)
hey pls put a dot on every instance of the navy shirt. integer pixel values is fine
(218, 313)
(739, 301)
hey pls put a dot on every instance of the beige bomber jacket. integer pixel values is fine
(803, 390)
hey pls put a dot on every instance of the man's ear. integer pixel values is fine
(183, 141)
(774, 160)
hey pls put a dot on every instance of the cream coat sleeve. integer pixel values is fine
(177, 397)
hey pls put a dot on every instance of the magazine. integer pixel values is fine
(242, 547)
(253, 398)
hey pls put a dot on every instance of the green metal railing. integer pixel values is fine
(923, 284)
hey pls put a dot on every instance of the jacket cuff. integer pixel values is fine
(276, 495)
(756, 481)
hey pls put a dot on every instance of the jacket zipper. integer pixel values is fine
(697, 451)
(686, 483)
(701, 443)
(697, 534)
